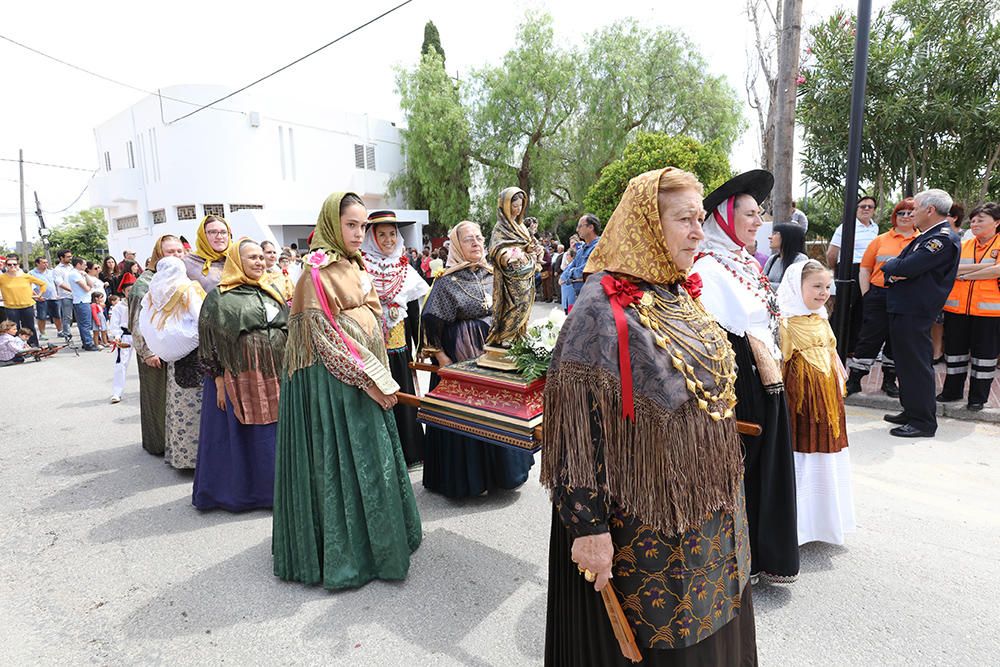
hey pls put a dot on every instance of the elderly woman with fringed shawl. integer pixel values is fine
(211, 243)
(513, 252)
(344, 511)
(739, 297)
(454, 323)
(152, 371)
(241, 343)
(641, 452)
(169, 325)
(399, 288)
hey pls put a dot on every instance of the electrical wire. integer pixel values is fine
(294, 62)
(47, 164)
(71, 204)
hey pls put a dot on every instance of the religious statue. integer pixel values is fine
(514, 254)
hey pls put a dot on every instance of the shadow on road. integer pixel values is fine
(171, 518)
(768, 598)
(454, 584)
(435, 507)
(113, 474)
(818, 556)
(92, 403)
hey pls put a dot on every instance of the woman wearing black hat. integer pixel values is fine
(399, 287)
(740, 298)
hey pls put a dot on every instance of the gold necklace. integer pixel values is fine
(681, 327)
(486, 300)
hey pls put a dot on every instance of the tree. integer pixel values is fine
(432, 40)
(654, 151)
(932, 111)
(766, 22)
(435, 142)
(784, 116)
(85, 233)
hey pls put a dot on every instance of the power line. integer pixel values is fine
(71, 204)
(294, 62)
(47, 164)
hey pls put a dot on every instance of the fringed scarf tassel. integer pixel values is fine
(667, 468)
(817, 394)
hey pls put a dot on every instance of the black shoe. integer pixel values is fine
(91, 348)
(945, 398)
(853, 384)
(908, 431)
(975, 407)
(889, 382)
(900, 418)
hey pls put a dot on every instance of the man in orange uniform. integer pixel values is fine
(875, 325)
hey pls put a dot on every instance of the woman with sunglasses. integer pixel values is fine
(18, 296)
(875, 323)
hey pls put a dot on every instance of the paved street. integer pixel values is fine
(106, 562)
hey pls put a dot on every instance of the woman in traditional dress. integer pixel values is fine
(642, 454)
(152, 370)
(344, 511)
(454, 323)
(209, 256)
(738, 295)
(399, 287)
(513, 253)
(242, 333)
(814, 384)
(277, 274)
(169, 325)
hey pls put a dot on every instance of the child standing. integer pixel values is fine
(100, 321)
(123, 340)
(814, 387)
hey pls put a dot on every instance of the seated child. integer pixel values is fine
(14, 343)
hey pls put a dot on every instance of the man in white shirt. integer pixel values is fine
(799, 218)
(865, 231)
(63, 275)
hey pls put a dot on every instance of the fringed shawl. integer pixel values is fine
(673, 463)
(243, 329)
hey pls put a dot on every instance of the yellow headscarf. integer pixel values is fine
(328, 236)
(233, 274)
(633, 242)
(203, 249)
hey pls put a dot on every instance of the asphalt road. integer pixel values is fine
(105, 561)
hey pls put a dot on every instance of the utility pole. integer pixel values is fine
(43, 231)
(784, 131)
(845, 278)
(25, 249)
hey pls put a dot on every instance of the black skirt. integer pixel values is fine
(411, 435)
(769, 473)
(578, 632)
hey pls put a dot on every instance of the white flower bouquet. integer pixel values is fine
(533, 353)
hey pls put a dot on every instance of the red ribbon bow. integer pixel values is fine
(693, 285)
(622, 294)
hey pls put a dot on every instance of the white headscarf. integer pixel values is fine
(370, 247)
(396, 282)
(790, 294)
(170, 328)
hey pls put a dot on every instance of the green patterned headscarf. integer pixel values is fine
(328, 236)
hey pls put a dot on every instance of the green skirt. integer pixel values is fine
(344, 511)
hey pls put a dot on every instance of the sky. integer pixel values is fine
(50, 110)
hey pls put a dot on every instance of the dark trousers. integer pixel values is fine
(23, 317)
(975, 340)
(874, 334)
(911, 343)
(857, 312)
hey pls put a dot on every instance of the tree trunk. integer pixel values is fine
(784, 120)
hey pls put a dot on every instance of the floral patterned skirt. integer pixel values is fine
(183, 423)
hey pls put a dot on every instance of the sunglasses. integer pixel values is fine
(866, 207)
(11, 263)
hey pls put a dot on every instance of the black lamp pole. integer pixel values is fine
(845, 276)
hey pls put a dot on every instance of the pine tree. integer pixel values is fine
(432, 39)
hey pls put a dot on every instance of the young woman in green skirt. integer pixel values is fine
(344, 511)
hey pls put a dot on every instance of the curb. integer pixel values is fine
(956, 410)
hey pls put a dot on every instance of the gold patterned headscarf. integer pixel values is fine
(204, 249)
(633, 243)
(328, 236)
(234, 275)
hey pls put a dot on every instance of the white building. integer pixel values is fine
(265, 168)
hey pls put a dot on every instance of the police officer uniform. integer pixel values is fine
(919, 281)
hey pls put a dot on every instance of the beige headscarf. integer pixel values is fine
(456, 259)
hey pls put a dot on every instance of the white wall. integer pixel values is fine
(288, 163)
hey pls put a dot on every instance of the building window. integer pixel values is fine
(186, 213)
(359, 156)
(107, 161)
(159, 216)
(240, 207)
(370, 156)
(128, 222)
(214, 209)
(131, 155)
